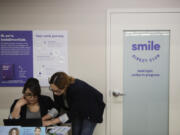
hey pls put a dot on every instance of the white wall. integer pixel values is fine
(85, 21)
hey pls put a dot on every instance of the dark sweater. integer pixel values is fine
(45, 104)
(83, 100)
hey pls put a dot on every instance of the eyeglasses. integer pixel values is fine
(55, 91)
(29, 95)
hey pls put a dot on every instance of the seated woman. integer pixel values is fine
(32, 105)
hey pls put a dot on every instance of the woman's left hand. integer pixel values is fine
(47, 123)
(51, 122)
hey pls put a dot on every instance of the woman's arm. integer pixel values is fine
(61, 119)
(15, 114)
(48, 104)
(51, 114)
(46, 117)
(51, 122)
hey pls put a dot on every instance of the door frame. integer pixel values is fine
(108, 60)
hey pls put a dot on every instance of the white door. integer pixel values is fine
(143, 49)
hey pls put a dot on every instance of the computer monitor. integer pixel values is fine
(23, 122)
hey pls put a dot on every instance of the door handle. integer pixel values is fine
(117, 93)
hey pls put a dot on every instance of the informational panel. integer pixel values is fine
(146, 82)
(18, 130)
(16, 60)
(25, 54)
(49, 54)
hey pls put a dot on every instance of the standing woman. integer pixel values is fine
(84, 104)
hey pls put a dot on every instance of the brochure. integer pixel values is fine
(33, 131)
(18, 130)
(10, 130)
(58, 130)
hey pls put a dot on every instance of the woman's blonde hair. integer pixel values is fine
(61, 80)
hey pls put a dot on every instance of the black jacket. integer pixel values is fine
(45, 104)
(83, 100)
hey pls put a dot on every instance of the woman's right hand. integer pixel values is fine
(16, 111)
(22, 101)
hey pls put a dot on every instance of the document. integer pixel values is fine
(58, 130)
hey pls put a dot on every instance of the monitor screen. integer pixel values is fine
(23, 122)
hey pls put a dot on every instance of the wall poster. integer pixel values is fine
(25, 54)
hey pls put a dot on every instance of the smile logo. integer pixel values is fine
(144, 47)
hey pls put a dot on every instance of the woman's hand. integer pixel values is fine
(16, 111)
(46, 117)
(51, 122)
(22, 101)
(47, 123)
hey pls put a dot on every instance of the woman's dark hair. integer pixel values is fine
(61, 80)
(33, 85)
